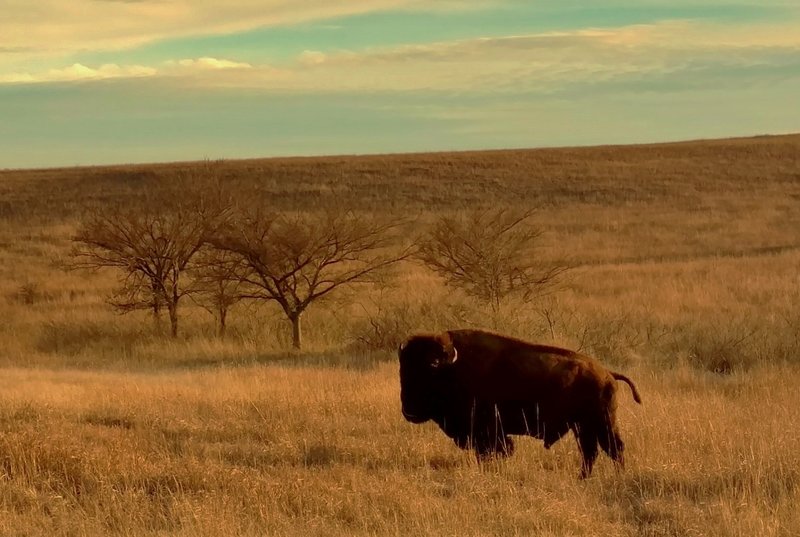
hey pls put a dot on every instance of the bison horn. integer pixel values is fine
(455, 355)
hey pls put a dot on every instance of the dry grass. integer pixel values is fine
(686, 279)
(291, 451)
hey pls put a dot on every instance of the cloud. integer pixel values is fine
(210, 63)
(312, 57)
(632, 58)
(551, 61)
(78, 71)
(61, 27)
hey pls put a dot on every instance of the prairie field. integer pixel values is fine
(685, 276)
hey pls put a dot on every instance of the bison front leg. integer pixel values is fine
(488, 448)
(487, 436)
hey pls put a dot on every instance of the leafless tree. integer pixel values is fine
(152, 244)
(217, 283)
(151, 250)
(137, 292)
(490, 254)
(297, 259)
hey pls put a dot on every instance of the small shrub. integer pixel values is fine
(320, 454)
(388, 324)
(611, 338)
(68, 338)
(72, 338)
(384, 329)
(722, 350)
(109, 419)
(30, 293)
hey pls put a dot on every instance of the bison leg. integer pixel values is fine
(464, 442)
(505, 446)
(613, 445)
(587, 442)
(554, 434)
(487, 448)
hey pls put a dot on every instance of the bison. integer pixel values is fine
(480, 387)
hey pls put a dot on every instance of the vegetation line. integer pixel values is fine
(679, 258)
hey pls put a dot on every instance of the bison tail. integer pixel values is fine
(619, 376)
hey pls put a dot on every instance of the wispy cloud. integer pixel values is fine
(56, 26)
(209, 63)
(544, 62)
(173, 68)
(78, 71)
(540, 62)
(312, 57)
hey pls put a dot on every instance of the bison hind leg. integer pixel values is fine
(587, 443)
(613, 445)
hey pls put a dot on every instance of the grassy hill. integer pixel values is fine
(686, 258)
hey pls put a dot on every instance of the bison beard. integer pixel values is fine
(481, 387)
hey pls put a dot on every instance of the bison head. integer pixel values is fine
(422, 361)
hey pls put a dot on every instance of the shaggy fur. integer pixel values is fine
(481, 387)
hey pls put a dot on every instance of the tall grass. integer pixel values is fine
(286, 450)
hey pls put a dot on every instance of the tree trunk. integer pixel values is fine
(494, 302)
(172, 306)
(157, 316)
(156, 310)
(223, 315)
(173, 319)
(296, 332)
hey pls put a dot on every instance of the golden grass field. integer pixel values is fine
(686, 279)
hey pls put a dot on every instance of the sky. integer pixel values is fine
(87, 82)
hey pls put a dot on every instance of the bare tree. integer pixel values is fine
(490, 254)
(153, 244)
(297, 259)
(138, 292)
(218, 283)
(152, 251)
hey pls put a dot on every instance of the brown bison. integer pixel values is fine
(481, 387)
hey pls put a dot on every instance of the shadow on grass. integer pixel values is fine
(104, 345)
(109, 419)
(67, 338)
(648, 499)
(333, 358)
